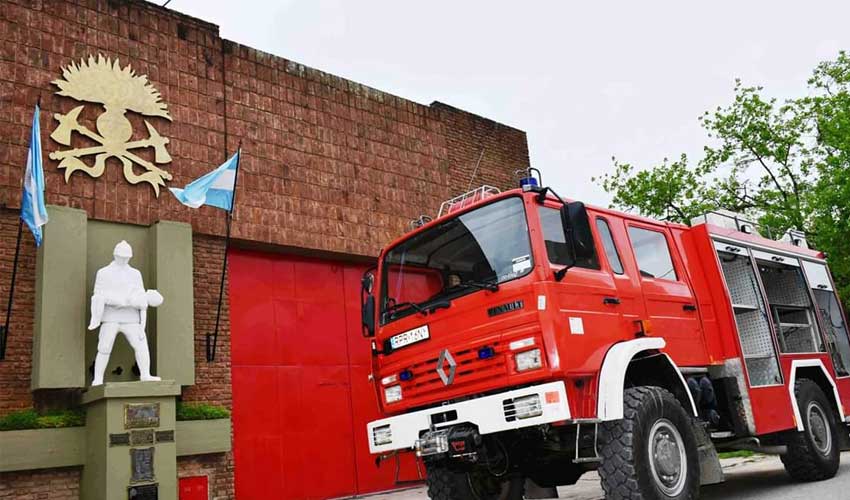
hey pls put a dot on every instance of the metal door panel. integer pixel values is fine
(818, 275)
(300, 403)
(253, 337)
(193, 488)
(773, 257)
(257, 433)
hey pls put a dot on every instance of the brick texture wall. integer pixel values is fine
(502, 150)
(15, 370)
(218, 468)
(329, 166)
(51, 484)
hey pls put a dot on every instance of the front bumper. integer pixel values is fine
(490, 414)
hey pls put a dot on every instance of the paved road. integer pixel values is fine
(758, 478)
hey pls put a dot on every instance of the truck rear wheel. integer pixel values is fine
(651, 454)
(446, 484)
(813, 454)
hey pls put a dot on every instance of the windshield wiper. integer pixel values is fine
(395, 308)
(481, 285)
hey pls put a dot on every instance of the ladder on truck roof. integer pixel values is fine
(466, 199)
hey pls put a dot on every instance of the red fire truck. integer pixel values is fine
(519, 339)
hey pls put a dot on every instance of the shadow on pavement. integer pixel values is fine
(767, 479)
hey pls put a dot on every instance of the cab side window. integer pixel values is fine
(609, 246)
(652, 254)
(556, 242)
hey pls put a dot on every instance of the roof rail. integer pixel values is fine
(729, 220)
(739, 222)
(466, 199)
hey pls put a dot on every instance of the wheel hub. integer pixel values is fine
(667, 457)
(819, 428)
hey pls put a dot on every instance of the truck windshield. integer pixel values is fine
(474, 251)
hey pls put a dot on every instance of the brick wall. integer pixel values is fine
(501, 149)
(218, 468)
(212, 380)
(329, 166)
(15, 370)
(51, 484)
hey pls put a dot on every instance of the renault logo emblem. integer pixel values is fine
(446, 358)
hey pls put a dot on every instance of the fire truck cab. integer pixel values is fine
(519, 339)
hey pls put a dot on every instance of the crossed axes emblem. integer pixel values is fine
(109, 147)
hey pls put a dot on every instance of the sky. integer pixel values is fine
(586, 80)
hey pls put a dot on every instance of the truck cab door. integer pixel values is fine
(670, 303)
(585, 304)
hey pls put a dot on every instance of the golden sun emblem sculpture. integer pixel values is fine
(119, 90)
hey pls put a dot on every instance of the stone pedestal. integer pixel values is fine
(130, 441)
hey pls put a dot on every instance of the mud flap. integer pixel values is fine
(710, 471)
(844, 436)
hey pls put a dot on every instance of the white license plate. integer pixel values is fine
(409, 337)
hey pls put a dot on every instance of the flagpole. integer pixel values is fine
(5, 332)
(211, 346)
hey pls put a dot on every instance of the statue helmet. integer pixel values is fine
(123, 249)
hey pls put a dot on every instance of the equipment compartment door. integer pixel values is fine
(833, 323)
(768, 396)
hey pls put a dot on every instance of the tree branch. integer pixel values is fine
(769, 171)
(678, 211)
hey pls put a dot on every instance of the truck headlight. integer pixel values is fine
(528, 360)
(382, 435)
(528, 406)
(392, 394)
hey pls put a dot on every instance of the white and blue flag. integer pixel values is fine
(33, 211)
(214, 189)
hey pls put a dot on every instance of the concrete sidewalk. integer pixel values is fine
(758, 478)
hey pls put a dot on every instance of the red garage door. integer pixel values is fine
(301, 396)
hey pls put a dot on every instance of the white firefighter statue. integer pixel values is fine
(119, 304)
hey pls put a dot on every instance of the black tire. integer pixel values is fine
(628, 469)
(813, 455)
(445, 484)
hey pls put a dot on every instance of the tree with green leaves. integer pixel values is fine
(784, 164)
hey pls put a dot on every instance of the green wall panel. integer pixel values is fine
(174, 344)
(60, 301)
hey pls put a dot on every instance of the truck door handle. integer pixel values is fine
(611, 300)
(689, 307)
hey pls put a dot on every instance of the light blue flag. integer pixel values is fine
(214, 189)
(33, 211)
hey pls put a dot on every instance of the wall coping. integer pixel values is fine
(42, 448)
(131, 390)
(66, 447)
(199, 437)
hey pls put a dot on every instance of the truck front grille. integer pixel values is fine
(470, 370)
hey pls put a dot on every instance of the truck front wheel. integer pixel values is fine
(651, 454)
(813, 454)
(446, 484)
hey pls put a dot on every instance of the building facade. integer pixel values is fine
(331, 170)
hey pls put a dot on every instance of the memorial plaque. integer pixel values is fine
(145, 492)
(138, 438)
(139, 415)
(164, 436)
(141, 465)
(119, 439)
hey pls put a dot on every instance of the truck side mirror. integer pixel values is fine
(579, 238)
(367, 304)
